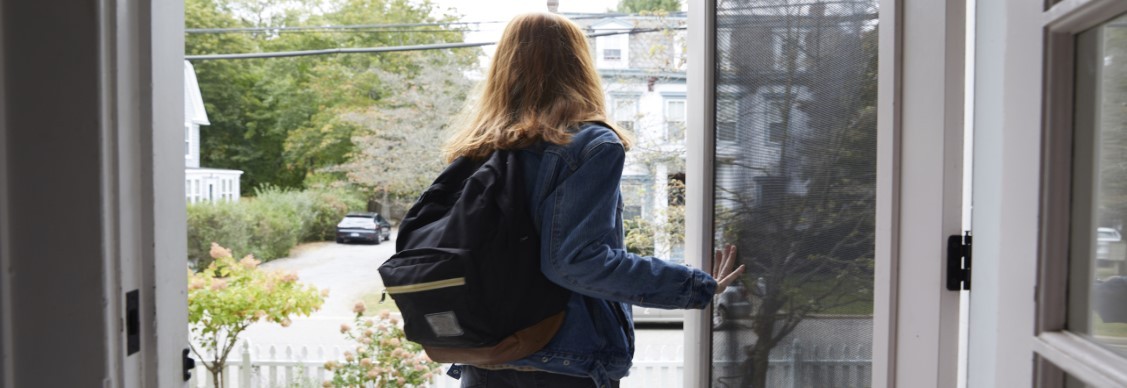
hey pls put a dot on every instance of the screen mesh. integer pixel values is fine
(795, 168)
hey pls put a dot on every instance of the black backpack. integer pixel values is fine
(466, 275)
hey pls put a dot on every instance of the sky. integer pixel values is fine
(503, 10)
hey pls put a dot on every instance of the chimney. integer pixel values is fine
(553, 6)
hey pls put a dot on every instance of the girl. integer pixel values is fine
(543, 97)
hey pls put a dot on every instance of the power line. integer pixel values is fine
(225, 30)
(387, 49)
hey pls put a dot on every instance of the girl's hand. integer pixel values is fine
(724, 274)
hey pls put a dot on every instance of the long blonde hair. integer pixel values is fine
(541, 83)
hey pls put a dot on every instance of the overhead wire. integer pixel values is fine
(388, 49)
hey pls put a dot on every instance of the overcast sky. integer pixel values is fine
(503, 10)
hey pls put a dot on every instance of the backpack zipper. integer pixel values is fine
(419, 287)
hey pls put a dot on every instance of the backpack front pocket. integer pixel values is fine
(429, 286)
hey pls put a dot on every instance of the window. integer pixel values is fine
(675, 120)
(790, 49)
(802, 220)
(612, 54)
(625, 112)
(727, 113)
(776, 120)
(187, 141)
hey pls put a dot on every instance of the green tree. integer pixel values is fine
(648, 6)
(280, 119)
(398, 141)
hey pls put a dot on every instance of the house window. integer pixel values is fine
(625, 112)
(727, 113)
(612, 54)
(790, 49)
(777, 121)
(187, 141)
(675, 120)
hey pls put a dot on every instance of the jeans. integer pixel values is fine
(484, 378)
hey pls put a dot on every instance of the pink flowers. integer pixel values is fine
(218, 252)
(344, 328)
(359, 308)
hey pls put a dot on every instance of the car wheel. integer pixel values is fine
(377, 239)
(720, 317)
(340, 240)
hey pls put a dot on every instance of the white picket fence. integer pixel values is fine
(794, 366)
(289, 367)
(799, 365)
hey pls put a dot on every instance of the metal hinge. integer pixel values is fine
(188, 364)
(959, 262)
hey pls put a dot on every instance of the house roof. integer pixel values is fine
(194, 111)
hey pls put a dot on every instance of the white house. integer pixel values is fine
(644, 78)
(201, 183)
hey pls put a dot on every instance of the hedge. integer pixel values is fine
(269, 224)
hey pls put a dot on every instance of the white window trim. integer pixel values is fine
(1058, 350)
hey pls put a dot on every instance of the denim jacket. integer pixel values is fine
(576, 200)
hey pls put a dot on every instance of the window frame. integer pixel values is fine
(1058, 351)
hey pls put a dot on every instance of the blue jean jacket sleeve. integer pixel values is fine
(584, 251)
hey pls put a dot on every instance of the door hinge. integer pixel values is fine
(959, 250)
(189, 364)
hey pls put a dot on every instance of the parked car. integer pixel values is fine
(1104, 238)
(370, 227)
(733, 303)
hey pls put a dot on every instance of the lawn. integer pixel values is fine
(372, 301)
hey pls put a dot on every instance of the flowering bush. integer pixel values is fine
(383, 356)
(228, 296)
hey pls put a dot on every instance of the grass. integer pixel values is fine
(372, 301)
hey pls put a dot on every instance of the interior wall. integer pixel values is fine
(54, 275)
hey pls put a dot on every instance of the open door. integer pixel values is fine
(826, 143)
(1050, 296)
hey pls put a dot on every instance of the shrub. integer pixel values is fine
(269, 224)
(228, 296)
(383, 357)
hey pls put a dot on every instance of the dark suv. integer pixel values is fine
(370, 227)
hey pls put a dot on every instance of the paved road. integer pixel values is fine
(349, 272)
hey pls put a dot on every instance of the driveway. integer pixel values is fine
(349, 271)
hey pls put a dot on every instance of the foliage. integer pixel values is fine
(279, 120)
(668, 227)
(383, 355)
(228, 296)
(398, 141)
(648, 6)
(270, 223)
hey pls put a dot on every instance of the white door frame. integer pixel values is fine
(91, 153)
(919, 200)
(1023, 182)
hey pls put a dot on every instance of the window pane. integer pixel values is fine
(795, 192)
(1098, 275)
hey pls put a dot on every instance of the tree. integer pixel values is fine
(802, 207)
(399, 140)
(228, 296)
(648, 6)
(279, 119)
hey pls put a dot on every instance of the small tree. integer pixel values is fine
(383, 356)
(228, 296)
